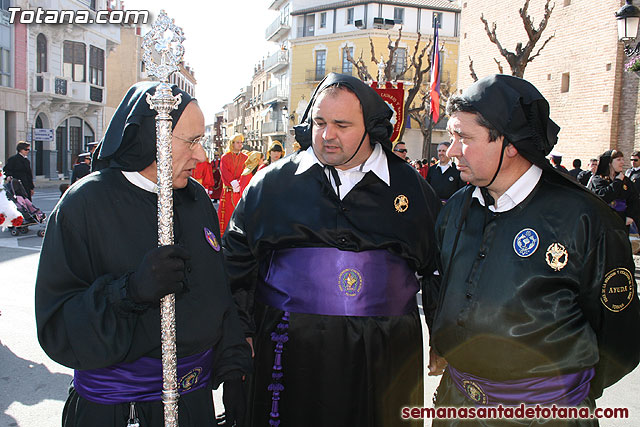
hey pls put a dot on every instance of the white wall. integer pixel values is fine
(448, 23)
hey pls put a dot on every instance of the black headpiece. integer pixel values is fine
(375, 111)
(130, 140)
(517, 110)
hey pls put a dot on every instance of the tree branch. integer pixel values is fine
(474, 76)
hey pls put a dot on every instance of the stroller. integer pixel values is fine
(31, 214)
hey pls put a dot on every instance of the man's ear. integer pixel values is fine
(510, 150)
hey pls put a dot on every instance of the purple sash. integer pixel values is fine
(338, 283)
(619, 205)
(141, 381)
(563, 390)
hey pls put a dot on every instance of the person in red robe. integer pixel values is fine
(204, 175)
(231, 167)
(217, 179)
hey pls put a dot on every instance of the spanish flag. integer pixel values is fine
(434, 92)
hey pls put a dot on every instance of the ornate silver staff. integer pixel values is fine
(165, 39)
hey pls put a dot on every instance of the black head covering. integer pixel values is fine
(517, 110)
(376, 112)
(130, 140)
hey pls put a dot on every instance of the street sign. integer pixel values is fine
(43, 134)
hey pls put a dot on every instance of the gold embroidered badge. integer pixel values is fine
(401, 203)
(350, 282)
(557, 256)
(474, 392)
(618, 289)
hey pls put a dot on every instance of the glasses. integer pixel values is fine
(201, 140)
(634, 160)
(400, 150)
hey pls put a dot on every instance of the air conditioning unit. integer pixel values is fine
(382, 23)
(359, 23)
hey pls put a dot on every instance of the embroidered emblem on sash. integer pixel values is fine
(624, 187)
(401, 203)
(557, 256)
(618, 289)
(211, 239)
(190, 379)
(474, 392)
(350, 282)
(526, 242)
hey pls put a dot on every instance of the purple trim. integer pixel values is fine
(141, 381)
(563, 390)
(280, 336)
(619, 205)
(329, 281)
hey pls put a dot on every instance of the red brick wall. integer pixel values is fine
(20, 56)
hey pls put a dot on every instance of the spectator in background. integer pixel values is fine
(633, 173)
(19, 167)
(556, 162)
(585, 175)
(576, 168)
(231, 167)
(400, 150)
(275, 153)
(610, 183)
(82, 168)
(444, 177)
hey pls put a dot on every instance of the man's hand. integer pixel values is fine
(250, 342)
(629, 221)
(236, 186)
(160, 273)
(437, 364)
(234, 399)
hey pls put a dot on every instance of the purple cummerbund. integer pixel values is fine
(619, 205)
(338, 283)
(563, 390)
(141, 381)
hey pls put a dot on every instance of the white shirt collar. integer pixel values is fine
(445, 166)
(376, 163)
(518, 191)
(140, 181)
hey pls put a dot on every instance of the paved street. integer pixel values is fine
(33, 388)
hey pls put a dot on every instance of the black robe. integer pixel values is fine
(503, 316)
(98, 234)
(338, 371)
(445, 184)
(612, 190)
(19, 167)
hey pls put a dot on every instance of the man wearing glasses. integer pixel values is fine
(19, 167)
(633, 173)
(101, 277)
(400, 150)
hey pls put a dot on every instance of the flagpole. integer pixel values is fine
(165, 41)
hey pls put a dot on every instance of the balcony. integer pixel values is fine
(275, 94)
(271, 128)
(348, 72)
(278, 28)
(277, 61)
(49, 84)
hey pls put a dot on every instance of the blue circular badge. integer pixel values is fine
(526, 242)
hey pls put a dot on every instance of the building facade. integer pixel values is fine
(324, 33)
(580, 71)
(13, 82)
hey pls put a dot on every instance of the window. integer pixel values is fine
(350, 13)
(323, 20)
(41, 54)
(400, 61)
(436, 20)
(74, 57)
(398, 15)
(310, 21)
(96, 66)
(5, 67)
(347, 67)
(321, 62)
(565, 83)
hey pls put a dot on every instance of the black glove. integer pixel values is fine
(160, 273)
(235, 402)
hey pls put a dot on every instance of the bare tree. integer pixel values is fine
(519, 59)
